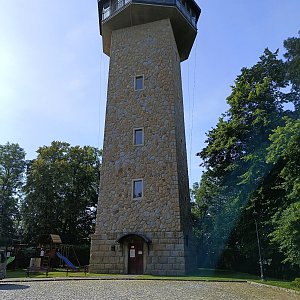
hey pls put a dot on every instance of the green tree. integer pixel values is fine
(12, 166)
(61, 192)
(235, 151)
(240, 176)
(285, 150)
(293, 70)
(287, 233)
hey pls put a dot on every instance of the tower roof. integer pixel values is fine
(183, 14)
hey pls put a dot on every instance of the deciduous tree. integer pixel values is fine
(61, 192)
(12, 166)
(247, 163)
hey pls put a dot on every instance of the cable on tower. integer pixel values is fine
(99, 103)
(192, 112)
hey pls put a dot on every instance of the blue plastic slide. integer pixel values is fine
(68, 263)
(10, 259)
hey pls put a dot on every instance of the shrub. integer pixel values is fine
(296, 283)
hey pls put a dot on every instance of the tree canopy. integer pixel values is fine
(252, 162)
(61, 192)
(55, 193)
(12, 166)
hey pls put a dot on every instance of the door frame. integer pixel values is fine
(135, 263)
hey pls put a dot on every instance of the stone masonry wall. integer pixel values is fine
(163, 212)
(165, 255)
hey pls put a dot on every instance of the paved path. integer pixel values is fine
(139, 289)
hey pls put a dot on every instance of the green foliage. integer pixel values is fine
(61, 193)
(293, 66)
(12, 166)
(286, 147)
(287, 233)
(296, 283)
(252, 162)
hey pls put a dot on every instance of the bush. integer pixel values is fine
(296, 283)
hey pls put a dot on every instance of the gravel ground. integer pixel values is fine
(139, 289)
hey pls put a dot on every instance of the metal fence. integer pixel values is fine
(111, 10)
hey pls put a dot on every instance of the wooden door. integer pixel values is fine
(135, 258)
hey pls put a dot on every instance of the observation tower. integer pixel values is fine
(143, 223)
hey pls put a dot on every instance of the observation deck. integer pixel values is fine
(183, 14)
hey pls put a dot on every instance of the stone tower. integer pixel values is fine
(143, 220)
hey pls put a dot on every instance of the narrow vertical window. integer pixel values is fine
(139, 82)
(137, 188)
(138, 136)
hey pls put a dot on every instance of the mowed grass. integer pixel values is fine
(57, 273)
(279, 283)
(208, 275)
(200, 275)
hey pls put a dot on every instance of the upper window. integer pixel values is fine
(137, 188)
(139, 82)
(138, 136)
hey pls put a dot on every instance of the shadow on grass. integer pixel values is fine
(218, 273)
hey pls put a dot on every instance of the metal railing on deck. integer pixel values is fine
(107, 12)
(111, 10)
(186, 12)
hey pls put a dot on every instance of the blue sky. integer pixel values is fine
(53, 74)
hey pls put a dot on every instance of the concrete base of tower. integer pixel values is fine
(155, 253)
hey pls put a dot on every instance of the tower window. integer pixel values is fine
(138, 136)
(139, 82)
(137, 188)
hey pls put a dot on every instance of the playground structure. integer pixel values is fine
(65, 252)
(7, 256)
(10, 259)
(49, 254)
(53, 253)
(18, 255)
(5, 260)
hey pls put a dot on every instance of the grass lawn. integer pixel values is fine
(52, 274)
(202, 274)
(209, 275)
(279, 283)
